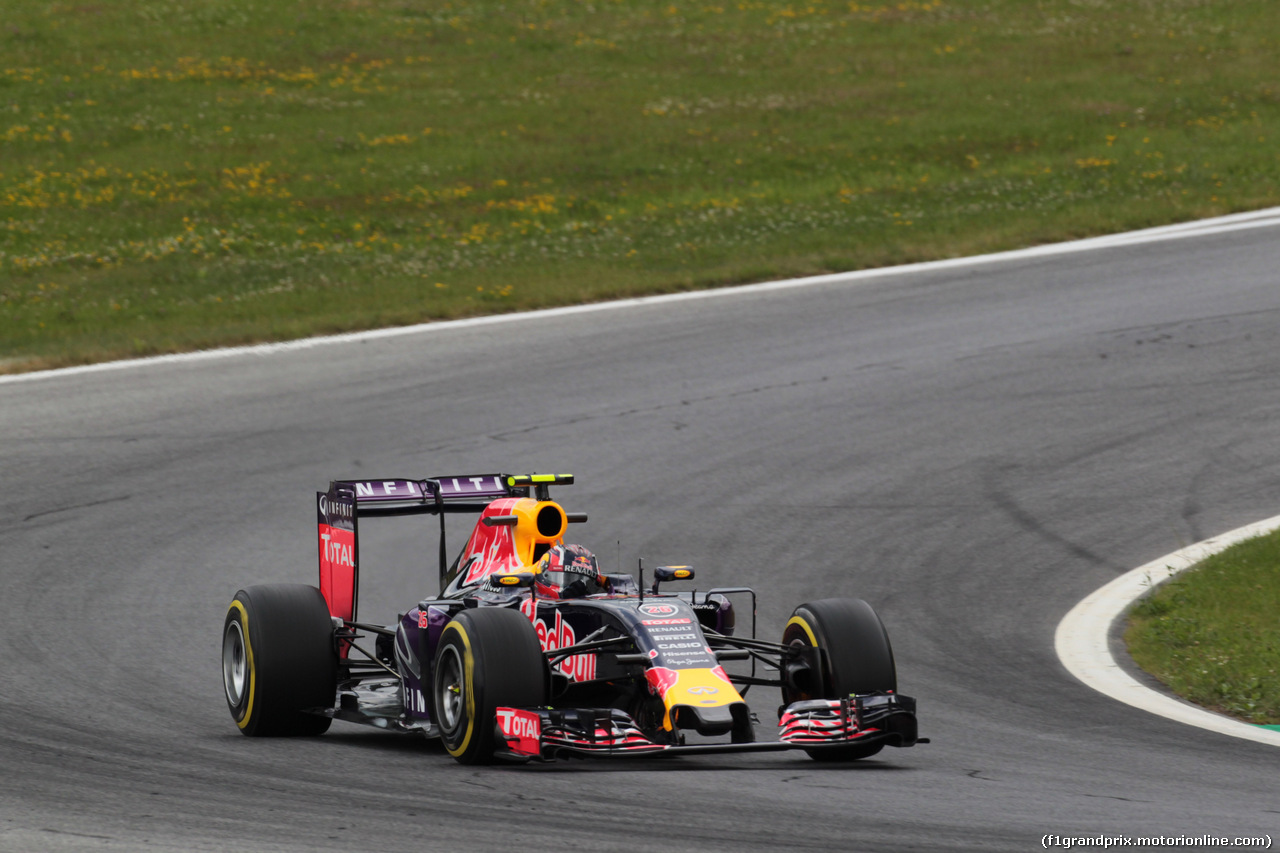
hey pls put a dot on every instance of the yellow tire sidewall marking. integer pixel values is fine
(797, 620)
(243, 618)
(468, 681)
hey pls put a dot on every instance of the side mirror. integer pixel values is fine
(514, 581)
(670, 573)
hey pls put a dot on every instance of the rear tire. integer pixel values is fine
(278, 660)
(488, 657)
(857, 658)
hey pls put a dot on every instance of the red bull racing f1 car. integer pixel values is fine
(532, 652)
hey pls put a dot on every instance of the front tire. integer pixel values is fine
(856, 658)
(279, 661)
(488, 657)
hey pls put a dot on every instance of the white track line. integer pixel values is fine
(1235, 222)
(1081, 639)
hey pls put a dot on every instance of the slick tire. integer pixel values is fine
(488, 657)
(857, 658)
(279, 660)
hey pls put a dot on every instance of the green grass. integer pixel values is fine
(1212, 634)
(177, 174)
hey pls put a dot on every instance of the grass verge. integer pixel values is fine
(1211, 633)
(177, 174)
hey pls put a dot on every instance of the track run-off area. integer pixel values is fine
(974, 446)
(1086, 635)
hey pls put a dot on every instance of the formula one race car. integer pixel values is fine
(531, 652)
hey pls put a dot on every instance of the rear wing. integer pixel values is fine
(424, 497)
(338, 512)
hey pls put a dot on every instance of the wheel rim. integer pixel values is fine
(450, 688)
(795, 693)
(235, 664)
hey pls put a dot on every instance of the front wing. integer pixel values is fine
(818, 724)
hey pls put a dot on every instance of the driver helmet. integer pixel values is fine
(569, 571)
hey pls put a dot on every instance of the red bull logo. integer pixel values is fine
(558, 635)
(661, 679)
(491, 550)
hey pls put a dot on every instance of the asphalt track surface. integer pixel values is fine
(972, 450)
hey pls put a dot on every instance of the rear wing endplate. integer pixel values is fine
(339, 547)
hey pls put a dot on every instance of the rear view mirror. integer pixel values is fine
(670, 573)
(520, 579)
